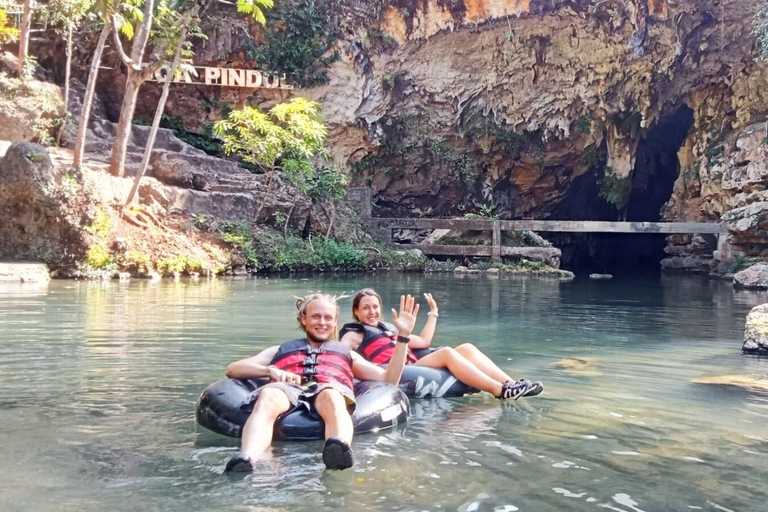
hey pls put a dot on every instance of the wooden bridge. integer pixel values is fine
(495, 251)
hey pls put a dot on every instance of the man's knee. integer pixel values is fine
(272, 400)
(329, 399)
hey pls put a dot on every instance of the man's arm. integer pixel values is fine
(258, 367)
(353, 339)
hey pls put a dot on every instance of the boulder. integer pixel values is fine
(600, 276)
(687, 263)
(24, 272)
(28, 109)
(756, 331)
(32, 205)
(755, 276)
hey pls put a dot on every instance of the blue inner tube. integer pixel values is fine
(225, 405)
(423, 382)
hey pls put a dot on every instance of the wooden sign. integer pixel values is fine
(225, 77)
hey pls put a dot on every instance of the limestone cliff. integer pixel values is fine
(638, 110)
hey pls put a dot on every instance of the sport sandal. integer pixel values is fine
(514, 389)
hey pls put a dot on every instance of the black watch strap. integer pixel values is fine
(403, 339)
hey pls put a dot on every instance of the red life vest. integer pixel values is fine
(378, 343)
(331, 362)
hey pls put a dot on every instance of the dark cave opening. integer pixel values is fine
(656, 169)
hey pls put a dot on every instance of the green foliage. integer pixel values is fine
(440, 266)
(740, 262)
(615, 189)
(291, 135)
(296, 37)
(8, 33)
(255, 8)
(179, 264)
(138, 261)
(200, 221)
(236, 233)
(98, 257)
(760, 31)
(583, 124)
(690, 173)
(275, 253)
(65, 15)
(328, 183)
(461, 163)
(524, 264)
(101, 226)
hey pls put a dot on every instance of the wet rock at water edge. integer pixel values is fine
(601, 276)
(756, 331)
(755, 276)
(24, 272)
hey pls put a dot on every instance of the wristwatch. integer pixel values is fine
(403, 339)
(433, 313)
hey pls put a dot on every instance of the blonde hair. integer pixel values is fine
(303, 302)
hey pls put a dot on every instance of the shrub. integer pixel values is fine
(98, 257)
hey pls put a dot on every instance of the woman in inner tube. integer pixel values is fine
(375, 340)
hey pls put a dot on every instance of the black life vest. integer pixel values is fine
(331, 362)
(378, 343)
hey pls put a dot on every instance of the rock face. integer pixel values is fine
(34, 226)
(756, 331)
(535, 109)
(755, 276)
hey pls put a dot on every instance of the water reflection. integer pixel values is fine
(98, 383)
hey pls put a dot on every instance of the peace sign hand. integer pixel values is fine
(405, 320)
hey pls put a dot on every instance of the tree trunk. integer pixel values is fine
(90, 89)
(133, 82)
(26, 23)
(287, 220)
(161, 105)
(120, 144)
(66, 86)
(333, 216)
(266, 195)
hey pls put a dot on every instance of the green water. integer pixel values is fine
(98, 383)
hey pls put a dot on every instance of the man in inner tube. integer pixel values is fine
(315, 372)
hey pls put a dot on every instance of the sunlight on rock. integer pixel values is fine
(742, 381)
(583, 366)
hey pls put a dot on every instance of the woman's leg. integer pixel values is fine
(461, 368)
(483, 362)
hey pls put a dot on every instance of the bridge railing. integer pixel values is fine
(384, 227)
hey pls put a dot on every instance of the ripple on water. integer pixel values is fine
(117, 370)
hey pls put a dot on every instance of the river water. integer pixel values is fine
(98, 383)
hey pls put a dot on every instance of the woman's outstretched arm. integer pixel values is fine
(424, 339)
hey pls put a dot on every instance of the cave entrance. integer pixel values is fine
(653, 178)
